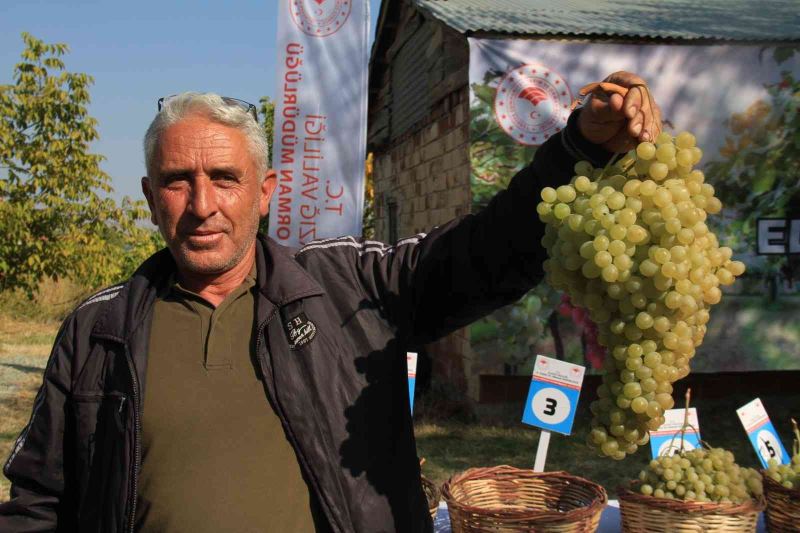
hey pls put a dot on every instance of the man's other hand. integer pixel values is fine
(618, 124)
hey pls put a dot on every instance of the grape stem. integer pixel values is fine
(685, 416)
(796, 444)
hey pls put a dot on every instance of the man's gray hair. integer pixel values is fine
(212, 106)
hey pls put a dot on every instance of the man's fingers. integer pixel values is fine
(616, 102)
(605, 108)
(633, 103)
(636, 125)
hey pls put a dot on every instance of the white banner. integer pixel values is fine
(320, 120)
(699, 87)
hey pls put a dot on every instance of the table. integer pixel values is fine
(610, 521)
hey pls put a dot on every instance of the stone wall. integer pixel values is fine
(425, 173)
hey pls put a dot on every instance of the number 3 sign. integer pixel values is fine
(553, 395)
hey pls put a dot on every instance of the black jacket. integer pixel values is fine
(340, 391)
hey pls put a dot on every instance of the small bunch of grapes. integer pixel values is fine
(629, 243)
(595, 353)
(788, 475)
(702, 475)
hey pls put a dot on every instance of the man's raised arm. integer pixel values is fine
(431, 285)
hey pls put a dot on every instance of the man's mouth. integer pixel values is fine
(203, 237)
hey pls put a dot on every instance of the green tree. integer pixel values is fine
(55, 215)
(758, 173)
(267, 110)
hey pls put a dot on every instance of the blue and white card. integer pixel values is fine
(762, 433)
(667, 439)
(553, 395)
(411, 364)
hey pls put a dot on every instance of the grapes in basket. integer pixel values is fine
(788, 475)
(703, 475)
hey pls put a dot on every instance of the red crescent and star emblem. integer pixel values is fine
(320, 18)
(532, 103)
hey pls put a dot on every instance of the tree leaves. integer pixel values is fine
(759, 173)
(53, 218)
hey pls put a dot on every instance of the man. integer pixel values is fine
(232, 384)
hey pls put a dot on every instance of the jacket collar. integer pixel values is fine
(280, 278)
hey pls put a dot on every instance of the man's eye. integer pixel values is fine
(173, 180)
(225, 178)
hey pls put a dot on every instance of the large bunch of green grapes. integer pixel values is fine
(788, 475)
(703, 475)
(630, 244)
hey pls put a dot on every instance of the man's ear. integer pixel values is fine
(148, 194)
(267, 189)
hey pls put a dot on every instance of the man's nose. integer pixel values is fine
(203, 203)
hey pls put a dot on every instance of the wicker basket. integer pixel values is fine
(642, 513)
(506, 499)
(783, 507)
(432, 494)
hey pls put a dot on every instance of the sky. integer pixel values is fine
(140, 51)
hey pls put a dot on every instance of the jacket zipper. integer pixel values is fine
(292, 440)
(134, 473)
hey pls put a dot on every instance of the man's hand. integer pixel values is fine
(618, 124)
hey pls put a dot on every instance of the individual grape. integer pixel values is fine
(684, 157)
(665, 152)
(549, 195)
(663, 138)
(646, 151)
(658, 171)
(685, 140)
(566, 193)
(616, 200)
(561, 211)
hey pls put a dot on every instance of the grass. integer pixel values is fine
(24, 347)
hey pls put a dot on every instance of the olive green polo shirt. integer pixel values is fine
(214, 454)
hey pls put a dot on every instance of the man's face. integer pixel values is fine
(206, 195)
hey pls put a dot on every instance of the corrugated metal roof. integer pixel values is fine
(739, 20)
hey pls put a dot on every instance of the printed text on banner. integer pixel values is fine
(320, 127)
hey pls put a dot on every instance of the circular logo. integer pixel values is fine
(671, 447)
(320, 18)
(532, 103)
(768, 446)
(550, 405)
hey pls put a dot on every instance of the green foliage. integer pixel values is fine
(54, 217)
(267, 111)
(758, 174)
(494, 156)
(368, 215)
